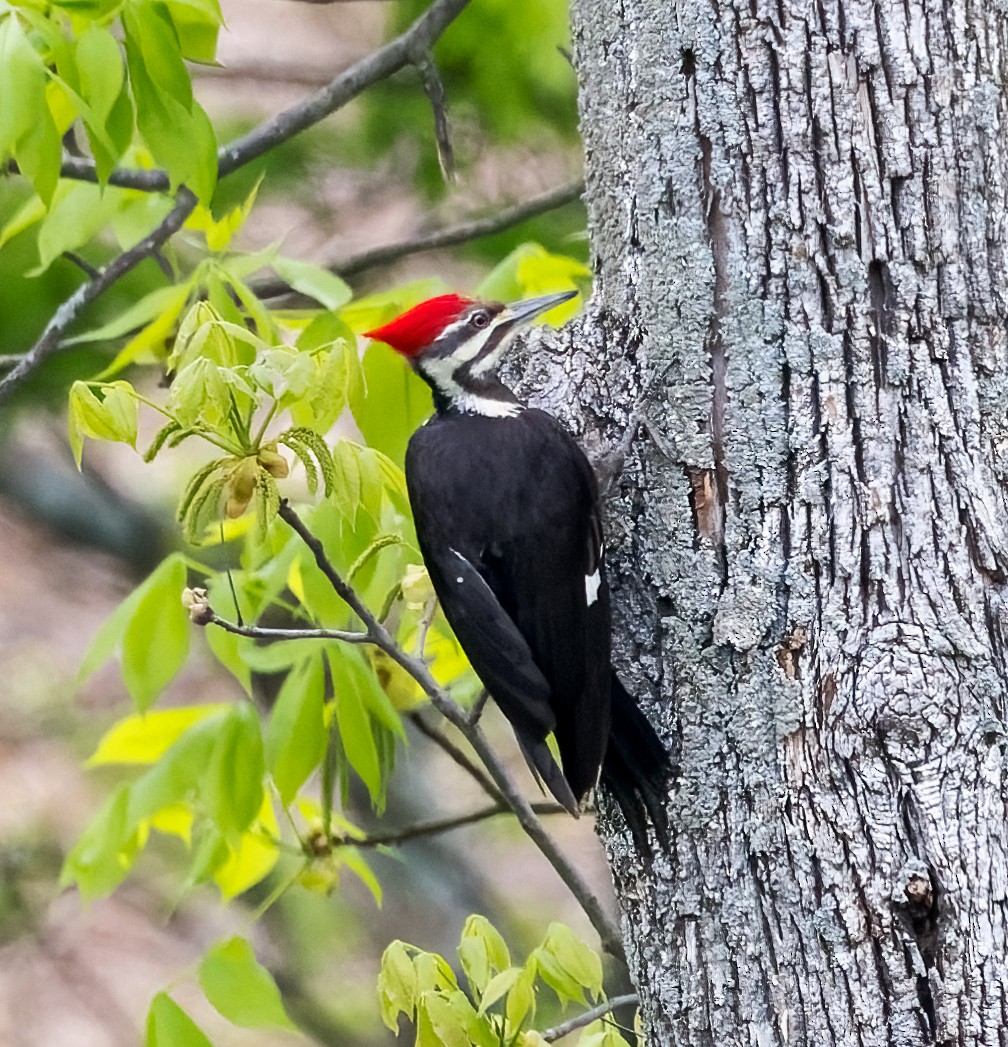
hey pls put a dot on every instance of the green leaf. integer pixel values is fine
(77, 214)
(22, 84)
(109, 636)
(113, 416)
(40, 154)
(601, 1034)
(252, 859)
(230, 650)
(233, 787)
(358, 738)
(521, 998)
(296, 736)
(172, 123)
(155, 641)
(569, 966)
(169, 1026)
(33, 210)
(200, 392)
(137, 315)
(312, 280)
(396, 404)
(483, 952)
(197, 23)
(150, 31)
(240, 988)
(105, 850)
(499, 986)
(398, 987)
(145, 739)
(443, 1020)
(338, 380)
(529, 271)
(101, 71)
(181, 772)
(351, 858)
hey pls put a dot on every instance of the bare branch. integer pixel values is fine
(49, 341)
(579, 1021)
(395, 837)
(605, 926)
(258, 632)
(379, 65)
(448, 236)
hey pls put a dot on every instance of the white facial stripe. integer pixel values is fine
(471, 349)
(592, 583)
(490, 361)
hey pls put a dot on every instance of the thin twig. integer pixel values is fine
(82, 263)
(49, 341)
(394, 837)
(448, 236)
(474, 714)
(579, 1021)
(434, 89)
(451, 749)
(426, 621)
(605, 926)
(258, 632)
(379, 65)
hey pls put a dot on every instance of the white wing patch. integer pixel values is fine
(592, 583)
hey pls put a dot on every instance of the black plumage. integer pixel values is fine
(507, 515)
(508, 552)
(514, 555)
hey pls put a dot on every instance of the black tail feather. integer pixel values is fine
(637, 769)
(547, 773)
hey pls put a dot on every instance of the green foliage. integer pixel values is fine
(116, 69)
(500, 999)
(240, 988)
(284, 405)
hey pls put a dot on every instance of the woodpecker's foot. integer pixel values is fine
(609, 467)
(474, 714)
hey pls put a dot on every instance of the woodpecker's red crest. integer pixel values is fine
(416, 329)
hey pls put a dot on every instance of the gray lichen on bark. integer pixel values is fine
(799, 236)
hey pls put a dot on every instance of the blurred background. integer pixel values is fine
(74, 544)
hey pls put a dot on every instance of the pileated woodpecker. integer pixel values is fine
(507, 516)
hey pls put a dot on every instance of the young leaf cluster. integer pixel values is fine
(498, 1004)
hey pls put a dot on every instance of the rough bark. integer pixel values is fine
(798, 229)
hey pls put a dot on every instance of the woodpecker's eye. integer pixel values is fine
(479, 319)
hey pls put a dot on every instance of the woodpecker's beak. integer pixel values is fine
(519, 312)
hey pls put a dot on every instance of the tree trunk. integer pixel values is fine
(798, 230)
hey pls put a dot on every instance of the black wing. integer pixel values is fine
(507, 519)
